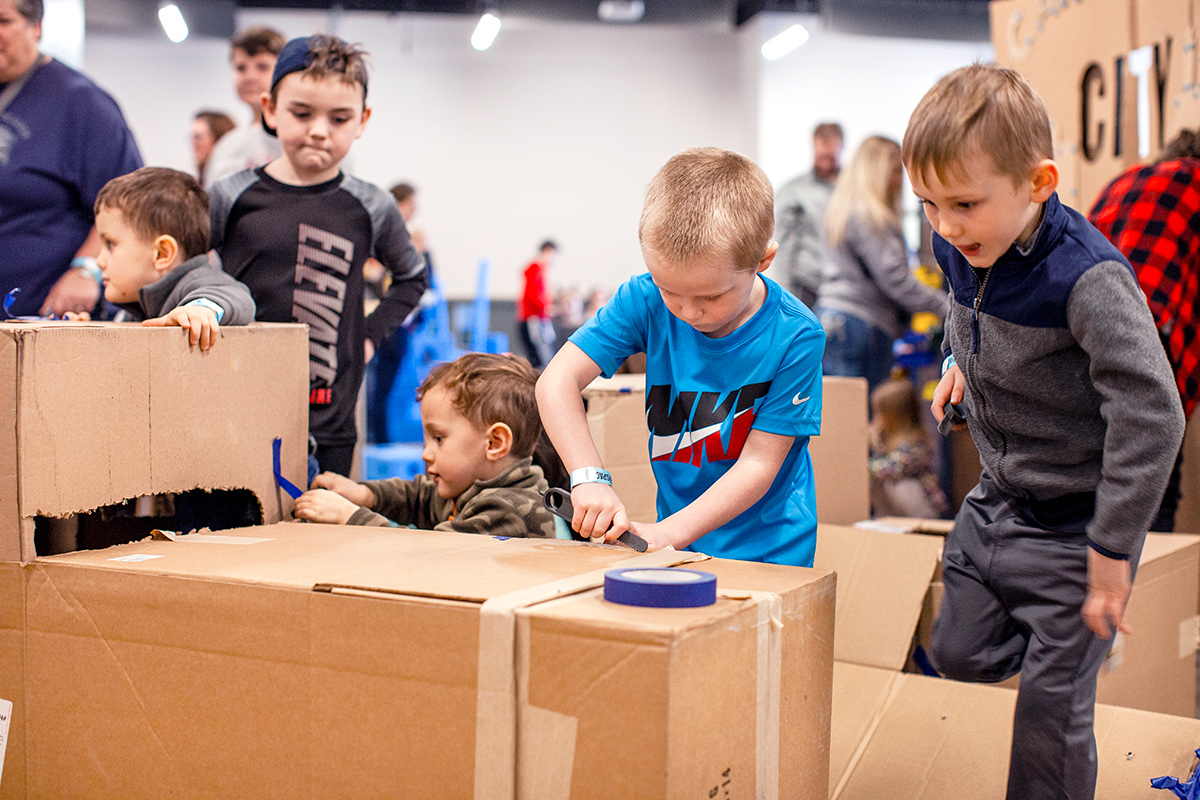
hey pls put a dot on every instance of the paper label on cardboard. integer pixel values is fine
(6, 707)
(136, 557)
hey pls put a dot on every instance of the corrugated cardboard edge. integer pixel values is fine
(496, 699)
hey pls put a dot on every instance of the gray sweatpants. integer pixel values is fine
(1014, 590)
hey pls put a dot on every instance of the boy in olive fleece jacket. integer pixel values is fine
(481, 427)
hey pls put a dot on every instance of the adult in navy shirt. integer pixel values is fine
(61, 139)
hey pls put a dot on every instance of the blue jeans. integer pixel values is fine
(855, 348)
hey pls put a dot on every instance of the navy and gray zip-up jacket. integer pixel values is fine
(1068, 388)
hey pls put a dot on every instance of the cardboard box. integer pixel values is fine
(909, 736)
(1076, 56)
(617, 419)
(880, 574)
(103, 413)
(882, 582)
(320, 661)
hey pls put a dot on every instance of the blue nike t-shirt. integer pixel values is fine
(704, 395)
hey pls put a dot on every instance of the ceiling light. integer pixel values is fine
(621, 11)
(486, 30)
(173, 22)
(783, 43)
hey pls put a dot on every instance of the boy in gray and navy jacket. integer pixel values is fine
(1055, 362)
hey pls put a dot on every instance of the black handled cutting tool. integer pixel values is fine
(558, 502)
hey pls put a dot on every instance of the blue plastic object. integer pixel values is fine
(396, 460)
(1188, 790)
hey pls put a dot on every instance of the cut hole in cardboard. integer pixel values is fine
(134, 519)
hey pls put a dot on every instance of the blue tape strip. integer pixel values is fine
(1188, 790)
(9, 299)
(660, 587)
(283, 482)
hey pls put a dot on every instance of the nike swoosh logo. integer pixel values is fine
(797, 400)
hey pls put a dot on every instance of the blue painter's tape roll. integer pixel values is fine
(660, 587)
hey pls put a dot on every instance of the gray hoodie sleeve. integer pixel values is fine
(1143, 415)
(884, 256)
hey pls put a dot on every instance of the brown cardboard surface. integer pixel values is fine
(859, 694)
(215, 669)
(1054, 44)
(807, 662)
(1187, 518)
(931, 737)
(617, 420)
(156, 416)
(12, 676)
(840, 453)
(882, 582)
(10, 529)
(1154, 668)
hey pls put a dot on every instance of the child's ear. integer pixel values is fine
(1045, 180)
(362, 125)
(268, 109)
(166, 253)
(768, 257)
(499, 441)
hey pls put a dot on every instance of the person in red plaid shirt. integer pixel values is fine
(1152, 214)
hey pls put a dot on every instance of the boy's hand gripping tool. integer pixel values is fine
(558, 502)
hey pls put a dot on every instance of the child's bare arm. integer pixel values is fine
(741, 487)
(199, 321)
(322, 505)
(353, 491)
(560, 403)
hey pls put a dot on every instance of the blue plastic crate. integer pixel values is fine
(395, 460)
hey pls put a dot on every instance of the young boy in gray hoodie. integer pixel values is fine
(154, 227)
(1055, 362)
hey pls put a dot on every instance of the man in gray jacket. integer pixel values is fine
(799, 216)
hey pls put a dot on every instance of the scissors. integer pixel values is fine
(558, 502)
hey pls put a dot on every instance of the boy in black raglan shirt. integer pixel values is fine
(298, 230)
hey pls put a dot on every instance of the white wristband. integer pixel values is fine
(590, 475)
(948, 363)
(210, 305)
(89, 267)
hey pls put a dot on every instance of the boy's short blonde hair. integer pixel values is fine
(487, 388)
(157, 201)
(707, 201)
(981, 107)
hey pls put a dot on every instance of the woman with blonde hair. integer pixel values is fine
(868, 290)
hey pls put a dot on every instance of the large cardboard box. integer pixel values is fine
(910, 736)
(102, 413)
(1153, 669)
(319, 661)
(617, 419)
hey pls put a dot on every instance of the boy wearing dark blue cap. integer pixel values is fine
(298, 230)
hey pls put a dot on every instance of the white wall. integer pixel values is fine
(556, 130)
(869, 84)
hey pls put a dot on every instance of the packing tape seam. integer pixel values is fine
(769, 630)
(496, 687)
